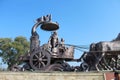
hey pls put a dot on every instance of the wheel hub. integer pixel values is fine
(40, 59)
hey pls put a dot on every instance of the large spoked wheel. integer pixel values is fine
(55, 67)
(39, 59)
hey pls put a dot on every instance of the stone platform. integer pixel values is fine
(51, 76)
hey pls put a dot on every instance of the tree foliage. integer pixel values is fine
(10, 50)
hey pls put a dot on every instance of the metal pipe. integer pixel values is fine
(33, 31)
(34, 40)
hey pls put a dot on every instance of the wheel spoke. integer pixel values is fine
(44, 60)
(43, 55)
(35, 59)
(40, 54)
(35, 63)
(43, 64)
(39, 65)
(36, 56)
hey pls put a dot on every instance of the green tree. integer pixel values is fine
(10, 50)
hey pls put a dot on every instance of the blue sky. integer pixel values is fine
(82, 22)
